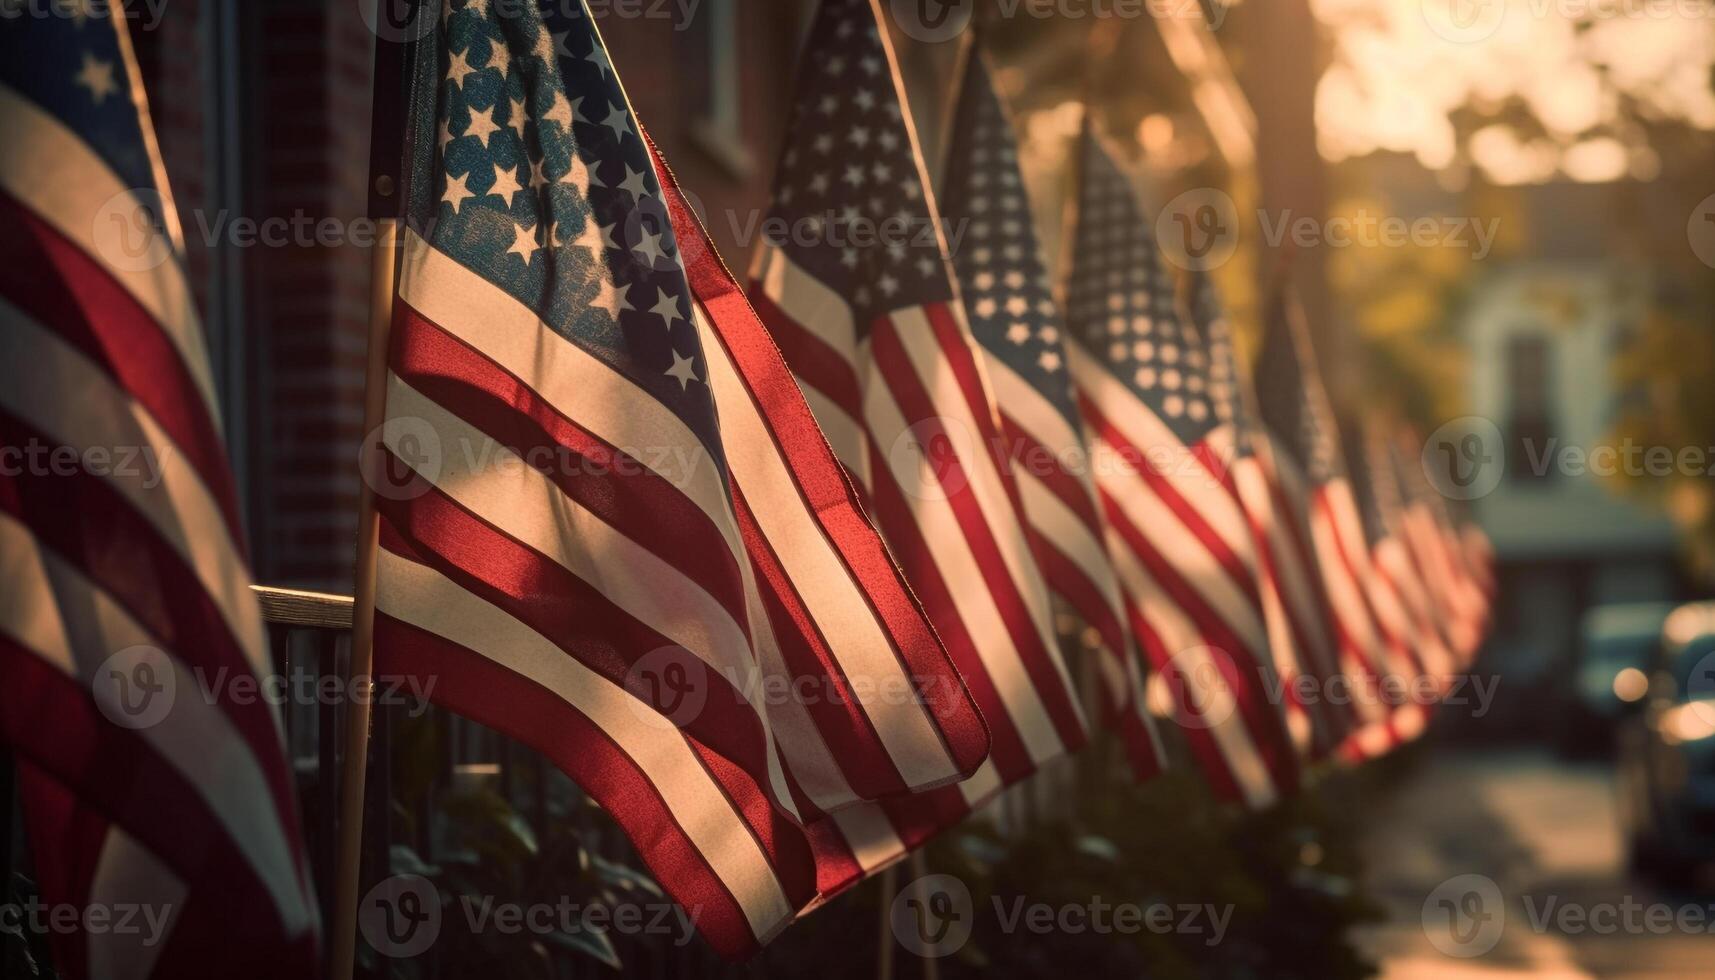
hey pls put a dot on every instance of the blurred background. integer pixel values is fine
(1500, 217)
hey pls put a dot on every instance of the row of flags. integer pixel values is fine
(920, 490)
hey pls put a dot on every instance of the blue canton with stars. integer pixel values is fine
(1216, 332)
(546, 188)
(1121, 304)
(1001, 272)
(70, 64)
(1292, 401)
(848, 188)
(1361, 467)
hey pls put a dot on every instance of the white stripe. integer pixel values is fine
(577, 384)
(806, 300)
(1391, 559)
(58, 176)
(193, 735)
(1029, 409)
(55, 389)
(1191, 558)
(526, 505)
(842, 612)
(870, 836)
(1293, 568)
(845, 435)
(422, 597)
(1066, 532)
(982, 786)
(1189, 652)
(917, 336)
(974, 603)
(129, 875)
(1163, 453)
(1348, 605)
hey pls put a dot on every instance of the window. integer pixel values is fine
(1530, 423)
(719, 128)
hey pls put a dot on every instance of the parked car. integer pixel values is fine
(1615, 643)
(1666, 773)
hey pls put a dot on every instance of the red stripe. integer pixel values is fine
(918, 408)
(837, 868)
(1046, 465)
(1308, 657)
(892, 511)
(66, 841)
(52, 722)
(1210, 757)
(58, 285)
(608, 481)
(1361, 584)
(577, 618)
(918, 819)
(478, 688)
(827, 490)
(815, 362)
(85, 521)
(1072, 583)
(851, 738)
(1240, 665)
(1170, 496)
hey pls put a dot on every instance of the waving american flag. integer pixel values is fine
(1374, 631)
(126, 583)
(616, 533)
(1437, 542)
(1400, 596)
(1016, 322)
(856, 286)
(1160, 414)
(1294, 606)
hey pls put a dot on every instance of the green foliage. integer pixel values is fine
(487, 854)
(1290, 877)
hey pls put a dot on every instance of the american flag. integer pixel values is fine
(1375, 634)
(856, 286)
(127, 589)
(1398, 592)
(1159, 411)
(1430, 530)
(616, 533)
(1294, 605)
(1013, 315)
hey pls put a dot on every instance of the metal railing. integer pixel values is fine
(309, 636)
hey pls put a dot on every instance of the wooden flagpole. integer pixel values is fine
(387, 155)
(885, 941)
(355, 759)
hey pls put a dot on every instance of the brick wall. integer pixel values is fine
(304, 130)
(307, 149)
